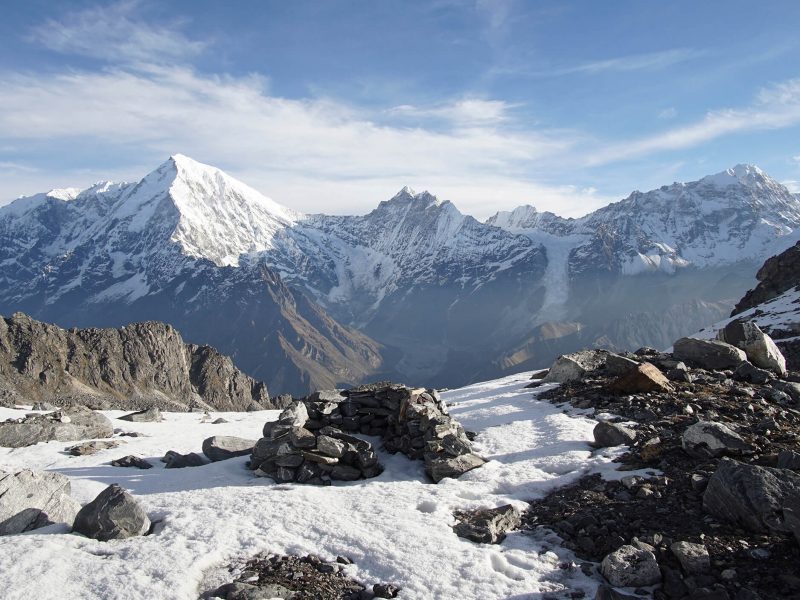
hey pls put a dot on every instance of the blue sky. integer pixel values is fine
(334, 106)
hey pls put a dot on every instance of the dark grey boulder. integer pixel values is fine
(607, 435)
(223, 447)
(33, 499)
(149, 415)
(113, 515)
(455, 467)
(606, 592)
(385, 590)
(131, 461)
(751, 496)
(791, 388)
(44, 406)
(708, 354)
(176, 460)
(487, 525)
(747, 371)
(694, 558)
(788, 459)
(576, 366)
(66, 425)
(707, 439)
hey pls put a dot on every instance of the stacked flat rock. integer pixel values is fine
(412, 421)
(291, 452)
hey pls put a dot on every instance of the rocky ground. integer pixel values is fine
(680, 432)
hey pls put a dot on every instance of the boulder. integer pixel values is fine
(150, 415)
(131, 461)
(642, 378)
(575, 366)
(707, 439)
(33, 499)
(606, 592)
(629, 566)
(757, 345)
(747, 371)
(607, 435)
(176, 460)
(44, 406)
(694, 558)
(113, 515)
(751, 496)
(64, 426)
(788, 459)
(616, 365)
(487, 525)
(87, 448)
(454, 467)
(791, 388)
(223, 447)
(708, 354)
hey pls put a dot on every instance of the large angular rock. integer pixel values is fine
(694, 558)
(751, 496)
(607, 435)
(575, 366)
(454, 467)
(707, 439)
(176, 460)
(487, 525)
(708, 354)
(759, 347)
(629, 566)
(64, 426)
(93, 447)
(131, 461)
(641, 379)
(113, 515)
(33, 499)
(223, 447)
(149, 415)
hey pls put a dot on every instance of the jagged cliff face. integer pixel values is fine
(134, 367)
(779, 274)
(413, 290)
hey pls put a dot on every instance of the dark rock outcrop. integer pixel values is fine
(708, 354)
(33, 499)
(779, 274)
(67, 425)
(113, 515)
(139, 366)
(223, 447)
(131, 461)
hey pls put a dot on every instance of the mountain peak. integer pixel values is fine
(740, 174)
(408, 196)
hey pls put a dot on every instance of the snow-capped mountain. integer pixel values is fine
(445, 294)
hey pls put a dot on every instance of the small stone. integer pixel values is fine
(612, 434)
(488, 525)
(131, 461)
(694, 558)
(175, 460)
(89, 448)
(629, 566)
(385, 590)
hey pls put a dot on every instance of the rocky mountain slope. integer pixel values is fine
(297, 300)
(134, 367)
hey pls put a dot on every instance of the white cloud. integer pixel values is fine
(465, 112)
(775, 107)
(113, 33)
(668, 113)
(792, 185)
(796, 159)
(635, 62)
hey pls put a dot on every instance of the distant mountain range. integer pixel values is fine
(414, 290)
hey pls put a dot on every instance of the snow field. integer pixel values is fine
(396, 527)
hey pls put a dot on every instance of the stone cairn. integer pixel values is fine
(311, 441)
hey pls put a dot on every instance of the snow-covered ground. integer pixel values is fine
(396, 527)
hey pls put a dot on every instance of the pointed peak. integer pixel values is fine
(408, 195)
(742, 174)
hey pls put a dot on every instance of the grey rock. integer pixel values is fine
(707, 439)
(330, 446)
(302, 438)
(751, 496)
(64, 426)
(44, 406)
(176, 460)
(612, 434)
(576, 366)
(694, 558)
(453, 467)
(131, 461)
(606, 592)
(629, 566)
(788, 459)
(749, 372)
(385, 590)
(219, 421)
(642, 378)
(130, 368)
(788, 387)
(33, 499)
(617, 366)
(345, 473)
(488, 525)
(327, 396)
(223, 447)
(708, 354)
(148, 415)
(791, 518)
(759, 347)
(114, 514)
(87, 448)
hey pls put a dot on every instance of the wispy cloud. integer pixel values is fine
(774, 107)
(636, 62)
(114, 33)
(668, 113)
(466, 112)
